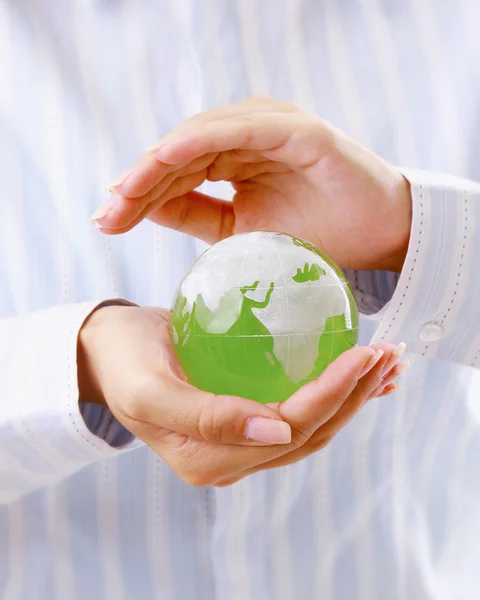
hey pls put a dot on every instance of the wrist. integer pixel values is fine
(89, 384)
(394, 257)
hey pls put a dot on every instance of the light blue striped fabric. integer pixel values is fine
(390, 510)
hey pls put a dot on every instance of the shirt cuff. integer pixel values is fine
(435, 302)
(101, 422)
(56, 416)
(99, 419)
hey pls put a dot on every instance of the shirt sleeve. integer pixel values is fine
(43, 435)
(434, 304)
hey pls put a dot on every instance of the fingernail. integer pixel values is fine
(372, 361)
(103, 210)
(403, 367)
(388, 389)
(121, 178)
(395, 370)
(392, 388)
(268, 431)
(395, 358)
(158, 152)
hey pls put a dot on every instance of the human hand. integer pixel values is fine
(291, 171)
(126, 361)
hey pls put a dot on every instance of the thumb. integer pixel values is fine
(181, 408)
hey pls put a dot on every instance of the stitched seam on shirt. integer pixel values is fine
(412, 268)
(36, 442)
(460, 266)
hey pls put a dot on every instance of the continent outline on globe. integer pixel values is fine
(261, 313)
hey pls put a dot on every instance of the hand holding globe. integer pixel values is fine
(210, 439)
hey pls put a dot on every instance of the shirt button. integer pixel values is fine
(431, 332)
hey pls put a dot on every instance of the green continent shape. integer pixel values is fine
(241, 361)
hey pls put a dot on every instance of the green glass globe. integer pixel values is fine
(259, 314)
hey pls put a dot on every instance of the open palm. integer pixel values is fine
(291, 172)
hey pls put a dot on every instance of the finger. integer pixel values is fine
(198, 215)
(139, 179)
(177, 187)
(359, 396)
(396, 356)
(311, 407)
(389, 378)
(285, 137)
(397, 371)
(205, 464)
(204, 217)
(325, 433)
(203, 416)
(389, 389)
(121, 211)
(358, 380)
(228, 167)
(245, 107)
(144, 184)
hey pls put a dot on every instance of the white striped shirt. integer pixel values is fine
(391, 508)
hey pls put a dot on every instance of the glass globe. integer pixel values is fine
(260, 314)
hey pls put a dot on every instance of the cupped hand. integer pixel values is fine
(291, 172)
(126, 361)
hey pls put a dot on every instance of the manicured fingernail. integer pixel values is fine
(372, 361)
(390, 389)
(103, 210)
(158, 151)
(395, 370)
(395, 358)
(268, 431)
(121, 178)
(386, 390)
(395, 373)
(403, 367)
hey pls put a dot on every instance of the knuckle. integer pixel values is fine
(299, 438)
(210, 426)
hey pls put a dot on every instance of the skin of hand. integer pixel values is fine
(291, 172)
(126, 361)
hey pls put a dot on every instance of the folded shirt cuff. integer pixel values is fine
(434, 305)
(99, 419)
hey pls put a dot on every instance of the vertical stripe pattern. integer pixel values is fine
(390, 508)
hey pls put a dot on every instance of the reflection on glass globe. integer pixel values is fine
(260, 314)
